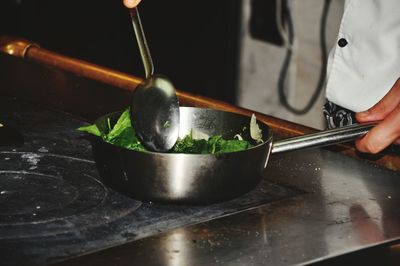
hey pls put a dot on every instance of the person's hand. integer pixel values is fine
(131, 3)
(387, 131)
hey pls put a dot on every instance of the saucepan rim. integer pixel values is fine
(268, 135)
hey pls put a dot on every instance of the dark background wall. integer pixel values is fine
(196, 46)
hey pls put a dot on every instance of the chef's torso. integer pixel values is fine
(365, 62)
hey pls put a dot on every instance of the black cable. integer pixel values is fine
(282, 75)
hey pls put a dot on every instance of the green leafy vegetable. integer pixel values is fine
(92, 129)
(190, 145)
(123, 123)
(219, 145)
(123, 134)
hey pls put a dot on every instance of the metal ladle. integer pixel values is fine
(154, 105)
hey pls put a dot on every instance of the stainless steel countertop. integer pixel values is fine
(348, 205)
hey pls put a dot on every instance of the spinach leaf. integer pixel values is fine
(122, 134)
(126, 138)
(92, 129)
(123, 122)
(190, 145)
(219, 145)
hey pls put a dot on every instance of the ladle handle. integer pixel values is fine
(323, 138)
(142, 43)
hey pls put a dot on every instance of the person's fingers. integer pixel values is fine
(131, 3)
(384, 107)
(382, 135)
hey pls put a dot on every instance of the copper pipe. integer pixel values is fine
(83, 68)
(15, 46)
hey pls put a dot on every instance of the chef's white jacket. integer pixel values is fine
(365, 62)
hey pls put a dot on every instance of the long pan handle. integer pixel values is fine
(323, 138)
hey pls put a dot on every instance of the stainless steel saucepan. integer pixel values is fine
(201, 178)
